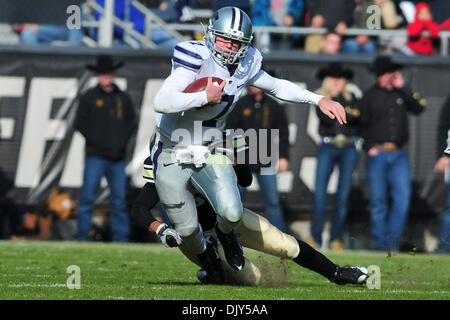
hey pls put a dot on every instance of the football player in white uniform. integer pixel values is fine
(183, 120)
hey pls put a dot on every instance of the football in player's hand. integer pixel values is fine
(200, 84)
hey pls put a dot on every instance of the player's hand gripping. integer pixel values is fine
(333, 109)
(214, 93)
(168, 236)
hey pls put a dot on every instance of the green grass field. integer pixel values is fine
(37, 270)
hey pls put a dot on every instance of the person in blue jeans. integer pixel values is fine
(271, 198)
(47, 33)
(443, 165)
(337, 148)
(360, 44)
(282, 13)
(385, 169)
(107, 120)
(384, 113)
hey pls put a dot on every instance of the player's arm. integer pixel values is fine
(171, 98)
(288, 91)
(140, 211)
(141, 215)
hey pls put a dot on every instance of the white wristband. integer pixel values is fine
(162, 225)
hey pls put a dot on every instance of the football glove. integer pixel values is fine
(168, 236)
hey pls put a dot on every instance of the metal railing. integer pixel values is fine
(151, 19)
(132, 37)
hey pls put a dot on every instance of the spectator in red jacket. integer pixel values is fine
(445, 25)
(417, 42)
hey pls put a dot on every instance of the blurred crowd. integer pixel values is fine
(423, 21)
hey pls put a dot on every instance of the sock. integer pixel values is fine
(195, 243)
(314, 260)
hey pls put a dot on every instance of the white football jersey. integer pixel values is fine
(195, 56)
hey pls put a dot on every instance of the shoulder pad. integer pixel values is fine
(252, 62)
(254, 53)
(190, 55)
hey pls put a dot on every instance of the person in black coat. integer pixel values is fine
(107, 120)
(384, 113)
(442, 165)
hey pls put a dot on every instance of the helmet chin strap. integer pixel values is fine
(205, 29)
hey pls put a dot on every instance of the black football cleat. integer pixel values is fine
(352, 275)
(202, 275)
(206, 278)
(232, 248)
(212, 269)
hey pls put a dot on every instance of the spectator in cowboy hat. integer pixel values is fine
(105, 65)
(384, 114)
(337, 147)
(107, 120)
